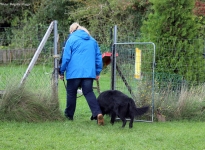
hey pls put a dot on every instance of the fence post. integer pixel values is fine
(113, 58)
(55, 72)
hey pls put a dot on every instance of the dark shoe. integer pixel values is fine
(93, 118)
(69, 118)
(100, 119)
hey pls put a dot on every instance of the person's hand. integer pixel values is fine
(61, 77)
(97, 77)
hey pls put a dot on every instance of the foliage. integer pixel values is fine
(98, 16)
(188, 104)
(19, 16)
(24, 36)
(101, 16)
(12, 11)
(173, 28)
(55, 10)
(21, 104)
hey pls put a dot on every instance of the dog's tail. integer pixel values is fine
(141, 110)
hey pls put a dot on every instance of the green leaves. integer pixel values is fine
(173, 28)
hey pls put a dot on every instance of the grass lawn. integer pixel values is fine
(84, 134)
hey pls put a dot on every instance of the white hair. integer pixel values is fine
(75, 26)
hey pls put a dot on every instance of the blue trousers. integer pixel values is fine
(87, 89)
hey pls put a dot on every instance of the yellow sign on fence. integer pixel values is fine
(137, 63)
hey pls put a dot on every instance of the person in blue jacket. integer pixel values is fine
(82, 63)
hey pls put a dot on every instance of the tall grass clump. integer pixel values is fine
(22, 104)
(186, 104)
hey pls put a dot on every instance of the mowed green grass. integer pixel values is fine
(84, 134)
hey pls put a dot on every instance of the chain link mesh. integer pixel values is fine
(16, 53)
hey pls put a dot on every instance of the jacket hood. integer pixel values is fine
(82, 34)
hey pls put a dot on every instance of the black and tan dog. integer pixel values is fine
(116, 103)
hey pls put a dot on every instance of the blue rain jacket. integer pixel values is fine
(81, 56)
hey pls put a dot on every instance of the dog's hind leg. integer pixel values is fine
(131, 121)
(121, 115)
(113, 117)
(124, 121)
(122, 112)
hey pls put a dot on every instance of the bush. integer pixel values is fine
(22, 104)
(188, 104)
(174, 29)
